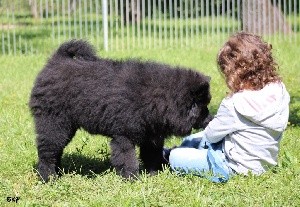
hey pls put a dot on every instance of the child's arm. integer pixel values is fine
(222, 125)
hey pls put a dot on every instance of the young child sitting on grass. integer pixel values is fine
(245, 134)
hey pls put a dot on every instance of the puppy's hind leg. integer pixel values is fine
(123, 157)
(52, 137)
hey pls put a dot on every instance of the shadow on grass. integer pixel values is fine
(76, 163)
(83, 165)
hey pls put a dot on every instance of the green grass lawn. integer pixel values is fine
(89, 179)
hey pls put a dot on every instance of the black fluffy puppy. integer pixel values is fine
(133, 102)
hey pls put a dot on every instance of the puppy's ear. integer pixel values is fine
(194, 111)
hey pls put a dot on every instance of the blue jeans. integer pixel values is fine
(199, 157)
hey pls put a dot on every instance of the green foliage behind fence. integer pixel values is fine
(159, 24)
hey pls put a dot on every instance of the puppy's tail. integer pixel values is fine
(77, 49)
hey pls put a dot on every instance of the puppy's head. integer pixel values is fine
(199, 113)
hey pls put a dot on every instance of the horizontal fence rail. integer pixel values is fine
(37, 26)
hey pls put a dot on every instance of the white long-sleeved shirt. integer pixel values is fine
(252, 123)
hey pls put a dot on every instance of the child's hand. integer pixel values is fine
(193, 136)
(194, 140)
(204, 144)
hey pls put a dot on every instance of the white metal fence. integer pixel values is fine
(35, 26)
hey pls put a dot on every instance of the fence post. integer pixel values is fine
(105, 24)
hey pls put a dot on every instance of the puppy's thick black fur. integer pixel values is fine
(133, 102)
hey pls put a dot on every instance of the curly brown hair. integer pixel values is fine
(247, 63)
